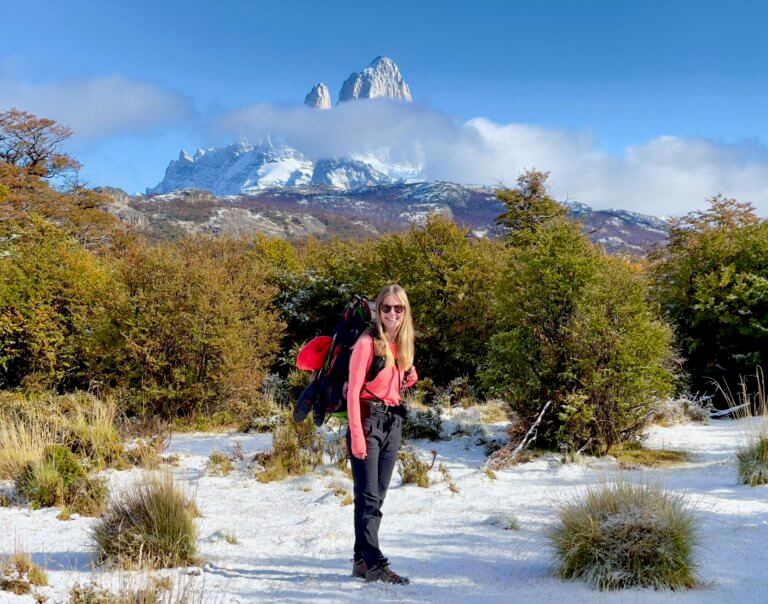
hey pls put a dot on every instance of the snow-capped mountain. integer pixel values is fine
(319, 97)
(346, 174)
(381, 79)
(242, 168)
(237, 168)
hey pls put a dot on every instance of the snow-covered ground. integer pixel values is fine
(295, 537)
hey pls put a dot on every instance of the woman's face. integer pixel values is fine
(391, 312)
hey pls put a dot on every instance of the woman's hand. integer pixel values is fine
(410, 377)
(359, 450)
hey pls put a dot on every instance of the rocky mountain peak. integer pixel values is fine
(381, 79)
(319, 97)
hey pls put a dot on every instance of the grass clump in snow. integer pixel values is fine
(87, 496)
(145, 452)
(18, 574)
(220, 464)
(336, 445)
(59, 480)
(84, 424)
(413, 469)
(90, 430)
(750, 404)
(626, 535)
(150, 524)
(149, 590)
(296, 449)
(340, 490)
(753, 462)
(633, 454)
(22, 442)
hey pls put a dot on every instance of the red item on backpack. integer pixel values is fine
(313, 354)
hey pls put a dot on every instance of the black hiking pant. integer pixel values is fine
(383, 428)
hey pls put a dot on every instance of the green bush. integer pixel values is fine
(150, 524)
(712, 282)
(65, 462)
(626, 535)
(195, 331)
(423, 424)
(314, 280)
(576, 328)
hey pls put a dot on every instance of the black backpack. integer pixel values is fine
(326, 394)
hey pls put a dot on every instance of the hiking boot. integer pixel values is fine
(383, 573)
(359, 568)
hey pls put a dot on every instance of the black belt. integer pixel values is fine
(382, 406)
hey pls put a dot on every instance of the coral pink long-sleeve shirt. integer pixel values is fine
(385, 387)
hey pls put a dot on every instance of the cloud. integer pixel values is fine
(100, 107)
(665, 175)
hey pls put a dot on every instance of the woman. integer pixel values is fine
(376, 423)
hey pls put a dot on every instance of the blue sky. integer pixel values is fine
(140, 80)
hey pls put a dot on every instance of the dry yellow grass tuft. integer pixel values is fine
(633, 454)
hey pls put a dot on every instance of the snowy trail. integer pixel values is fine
(295, 538)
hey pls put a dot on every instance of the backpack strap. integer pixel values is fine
(378, 349)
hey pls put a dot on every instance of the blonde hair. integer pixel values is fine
(404, 338)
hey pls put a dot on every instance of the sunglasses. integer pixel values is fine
(398, 308)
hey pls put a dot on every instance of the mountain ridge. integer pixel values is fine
(323, 211)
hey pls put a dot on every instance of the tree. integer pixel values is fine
(449, 278)
(712, 283)
(528, 206)
(34, 143)
(574, 328)
(24, 196)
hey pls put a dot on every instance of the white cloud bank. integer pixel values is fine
(666, 175)
(99, 107)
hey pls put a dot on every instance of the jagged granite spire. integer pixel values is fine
(319, 97)
(381, 79)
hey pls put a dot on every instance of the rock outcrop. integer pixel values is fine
(319, 97)
(381, 79)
